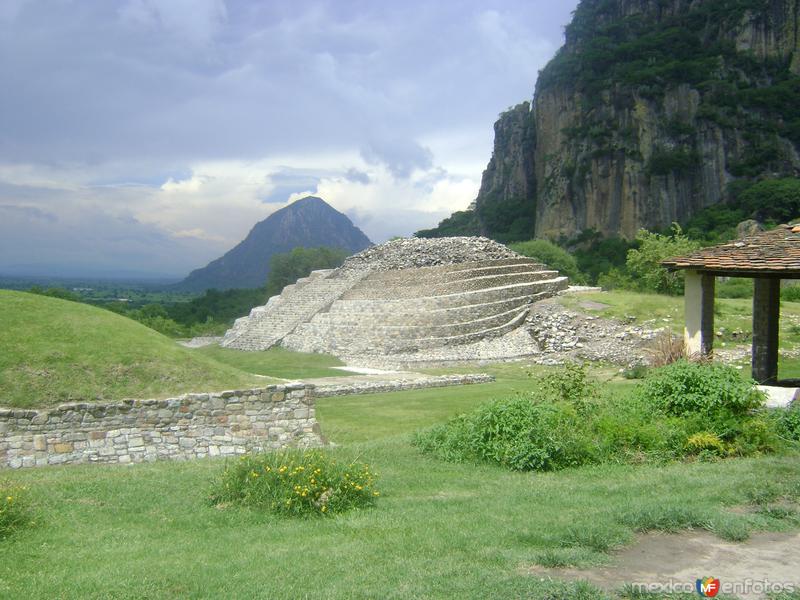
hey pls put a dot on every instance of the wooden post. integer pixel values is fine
(699, 313)
(766, 316)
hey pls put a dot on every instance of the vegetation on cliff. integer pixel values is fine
(651, 113)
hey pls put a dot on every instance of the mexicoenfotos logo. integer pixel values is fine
(708, 587)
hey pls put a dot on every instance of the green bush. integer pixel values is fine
(615, 279)
(684, 388)
(287, 267)
(15, 509)
(644, 263)
(773, 199)
(296, 483)
(736, 287)
(552, 255)
(791, 293)
(700, 412)
(520, 433)
(787, 421)
(569, 384)
(679, 160)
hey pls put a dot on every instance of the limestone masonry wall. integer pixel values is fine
(189, 426)
(376, 387)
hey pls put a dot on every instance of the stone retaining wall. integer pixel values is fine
(376, 387)
(189, 426)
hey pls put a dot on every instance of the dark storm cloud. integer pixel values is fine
(91, 80)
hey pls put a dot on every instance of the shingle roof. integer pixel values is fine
(775, 252)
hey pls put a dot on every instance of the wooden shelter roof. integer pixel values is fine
(774, 253)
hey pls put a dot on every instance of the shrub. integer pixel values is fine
(570, 384)
(521, 433)
(705, 442)
(644, 263)
(788, 421)
(678, 160)
(15, 510)
(736, 288)
(773, 199)
(701, 411)
(553, 256)
(685, 388)
(666, 349)
(791, 293)
(296, 483)
(615, 279)
(751, 436)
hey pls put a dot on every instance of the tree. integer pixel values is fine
(644, 264)
(553, 256)
(287, 267)
(773, 199)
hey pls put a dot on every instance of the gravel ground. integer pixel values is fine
(406, 253)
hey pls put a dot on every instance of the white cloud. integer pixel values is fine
(178, 124)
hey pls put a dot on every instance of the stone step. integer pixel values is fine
(384, 290)
(440, 275)
(306, 337)
(299, 304)
(345, 313)
(439, 270)
(456, 299)
(373, 330)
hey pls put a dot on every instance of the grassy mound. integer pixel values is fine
(276, 362)
(52, 351)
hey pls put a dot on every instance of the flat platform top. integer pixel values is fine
(766, 253)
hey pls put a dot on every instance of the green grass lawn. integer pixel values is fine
(732, 318)
(53, 351)
(276, 362)
(730, 314)
(439, 530)
(403, 413)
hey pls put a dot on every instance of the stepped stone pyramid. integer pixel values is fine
(404, 296)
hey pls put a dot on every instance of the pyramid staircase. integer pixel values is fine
(412, 310)
(267, 325)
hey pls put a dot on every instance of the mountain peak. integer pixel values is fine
(309, 222)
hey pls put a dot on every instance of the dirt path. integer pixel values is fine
(665, 562)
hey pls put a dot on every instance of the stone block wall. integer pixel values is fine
(189, 426)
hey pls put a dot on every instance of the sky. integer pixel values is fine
(149, 136)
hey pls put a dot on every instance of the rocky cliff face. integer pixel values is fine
(648, 112)
(510, 173)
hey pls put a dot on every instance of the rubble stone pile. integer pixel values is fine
(407, 253)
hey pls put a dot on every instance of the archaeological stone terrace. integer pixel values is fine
(409, 297)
